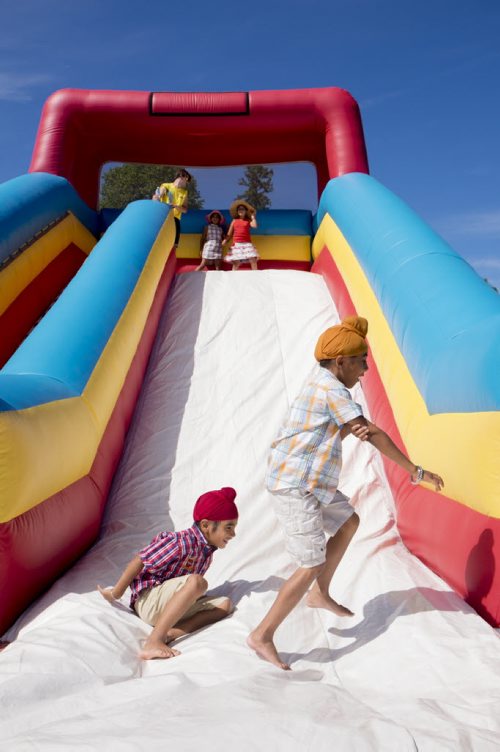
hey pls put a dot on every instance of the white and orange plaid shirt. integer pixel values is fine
(307, 452)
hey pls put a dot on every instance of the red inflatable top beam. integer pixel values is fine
(80, 130)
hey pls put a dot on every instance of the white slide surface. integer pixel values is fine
(414, 669)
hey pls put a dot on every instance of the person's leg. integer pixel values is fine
(173, 611)
(301, 518)
(253, 264)
(236, 265)
(177, 231)
(261, 639)
(201, 266)
(200, 619)
(318, 596)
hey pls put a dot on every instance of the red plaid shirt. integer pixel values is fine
(172, 555)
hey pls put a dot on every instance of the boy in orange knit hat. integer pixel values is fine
(166, 577)
(303, 475)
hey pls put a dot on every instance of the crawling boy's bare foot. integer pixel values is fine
(315, 599)
(107, 593)
(157, 649)
(265, 649)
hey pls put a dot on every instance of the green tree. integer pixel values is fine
(258, 183)
(130, 182)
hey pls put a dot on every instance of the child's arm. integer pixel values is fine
(203, 238)
(253, 221)
(132, 569)
(229, 234)
(384, 444)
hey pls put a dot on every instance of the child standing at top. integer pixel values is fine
(242, 249)
(166, 577)
(176, 195)
(211, 241)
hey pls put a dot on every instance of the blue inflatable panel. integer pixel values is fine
(67, 343)
(23, 390)
(270, 221)
(31, 202)
(445, 318)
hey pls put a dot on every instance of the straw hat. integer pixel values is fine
(233, 209)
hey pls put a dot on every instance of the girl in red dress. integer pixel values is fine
(242, 249)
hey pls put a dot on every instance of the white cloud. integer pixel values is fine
(477, 223)
(16, 87)
(487, 263)
(365, 104)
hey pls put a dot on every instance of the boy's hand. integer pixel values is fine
(433, 479)
(360, 432)
(107, 593)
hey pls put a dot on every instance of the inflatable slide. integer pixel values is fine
(129, 385)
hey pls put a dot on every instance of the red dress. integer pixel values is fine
(242, 248)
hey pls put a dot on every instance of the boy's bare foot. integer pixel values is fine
(107, 593)
(265, 649)
(157, 649)
(314, 599)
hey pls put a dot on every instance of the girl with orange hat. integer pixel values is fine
(242, 250)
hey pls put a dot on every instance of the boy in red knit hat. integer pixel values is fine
(166, 577)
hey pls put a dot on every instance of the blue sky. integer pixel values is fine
(426, 76)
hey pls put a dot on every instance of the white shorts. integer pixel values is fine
(305, 521)
(152, 601)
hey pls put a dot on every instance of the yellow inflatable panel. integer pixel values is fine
(48, 447)
(449, 443)
(15, 277)
(270, 247)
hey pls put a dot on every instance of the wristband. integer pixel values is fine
(419, 478)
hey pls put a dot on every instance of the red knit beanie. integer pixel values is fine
(216, 506)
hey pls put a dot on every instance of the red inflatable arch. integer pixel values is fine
(80, 130)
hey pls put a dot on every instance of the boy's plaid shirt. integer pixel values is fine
(172, 555)
(308, 450)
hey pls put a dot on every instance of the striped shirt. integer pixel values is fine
(307, 453)
(172, 555)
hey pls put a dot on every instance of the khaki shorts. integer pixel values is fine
(305, 521)
(152, 601)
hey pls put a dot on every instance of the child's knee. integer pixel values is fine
(197, 582)
(312, 573)
(354, 520)
(316, 571)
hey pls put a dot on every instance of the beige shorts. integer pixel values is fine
(305, 521)
(152, 601)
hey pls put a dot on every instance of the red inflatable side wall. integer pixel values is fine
(23, 313)
(430, 524)
(37, 545)
(80, 130)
